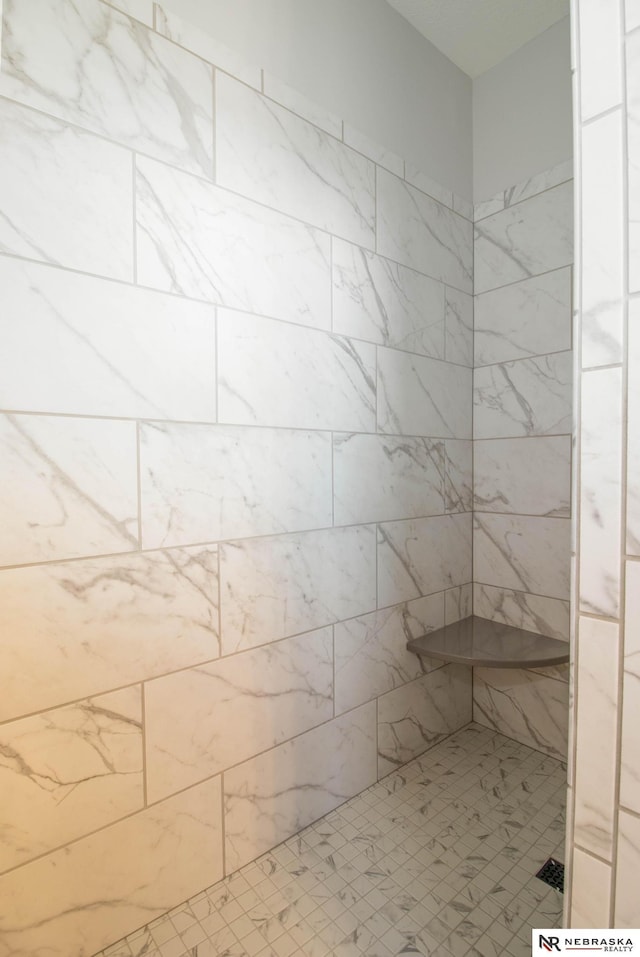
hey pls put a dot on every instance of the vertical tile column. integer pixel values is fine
(604, 768)
(522, 444)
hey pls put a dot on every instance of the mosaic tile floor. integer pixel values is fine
(437, 859)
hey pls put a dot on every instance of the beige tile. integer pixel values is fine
(201, 721)
(107, 885)
(67, 772)
(627, 905)
(590, 891)
(629, 770)
(79, 628)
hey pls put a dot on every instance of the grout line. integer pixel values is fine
(521, 281)
(138, 484)
(145, 770)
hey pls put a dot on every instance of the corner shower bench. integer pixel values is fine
(489, 644)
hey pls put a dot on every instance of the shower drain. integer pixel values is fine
(552, 873)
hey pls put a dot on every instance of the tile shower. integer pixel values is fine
(237, 465)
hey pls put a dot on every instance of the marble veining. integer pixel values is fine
(458, 603)
(417, 716)
(421, 396)
(601, 250)
(204, 242)
(91, 65)
(384, 302)
(82, 627)
(69, 488)
(523, 553)
(379, 154)
(268, 481)
(265, 695)
(298, 103)
(458, 476)
(525, 240)
(76, 344)
(274, 587)
(458, 317)
(66, 196)
(527, 318)
(423, 556)
(547, 616)
(524, 397)
(187, 35)
(283, 375)
(273, 796)
(600, 491)
(380, 477)
(419, 232)
(267, 153)
(529, 476)
(66, 772)
(371, 656)
(525, 706)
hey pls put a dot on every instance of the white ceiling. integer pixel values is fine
(477, 34)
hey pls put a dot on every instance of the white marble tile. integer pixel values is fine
(75, 344)
(527, 318)
(273, 587)
(599, 32)
(82, 627)
(596, 735)
(590, 891)
(67, 772)
(378, 300)
(417, 716)
(267, 153)
(417, 178)
(201, 241)
(458, 603)
(274, 373)
(111, 883)
(522, 552)
(421, 396)
(205, 483)
(68, 488)
(525, 397)
(463, 207)
(295, 101)
(539, 183)
(275, 795)
(626, 910)
(488, 207)
(91, 65)
(632, 15)
(629, 771)
(531, 476)
(379, 154)
(528, 707)
(419, 232)
(458, 312)
(382, 478)
(207, 719)
(141, 10)
(423, 556)
(633, 157)
(458, 477)
(525, 240)
(600, 491)
(371, 654)
(633, 429)
(602, 229)
(66, 196)
(547, 616)
(193, 38)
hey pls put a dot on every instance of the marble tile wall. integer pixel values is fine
(604, 831)
(522, 419)
(236, 465)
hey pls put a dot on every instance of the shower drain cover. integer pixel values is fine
(552, 873)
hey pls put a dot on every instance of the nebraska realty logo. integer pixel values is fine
(606, 940)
